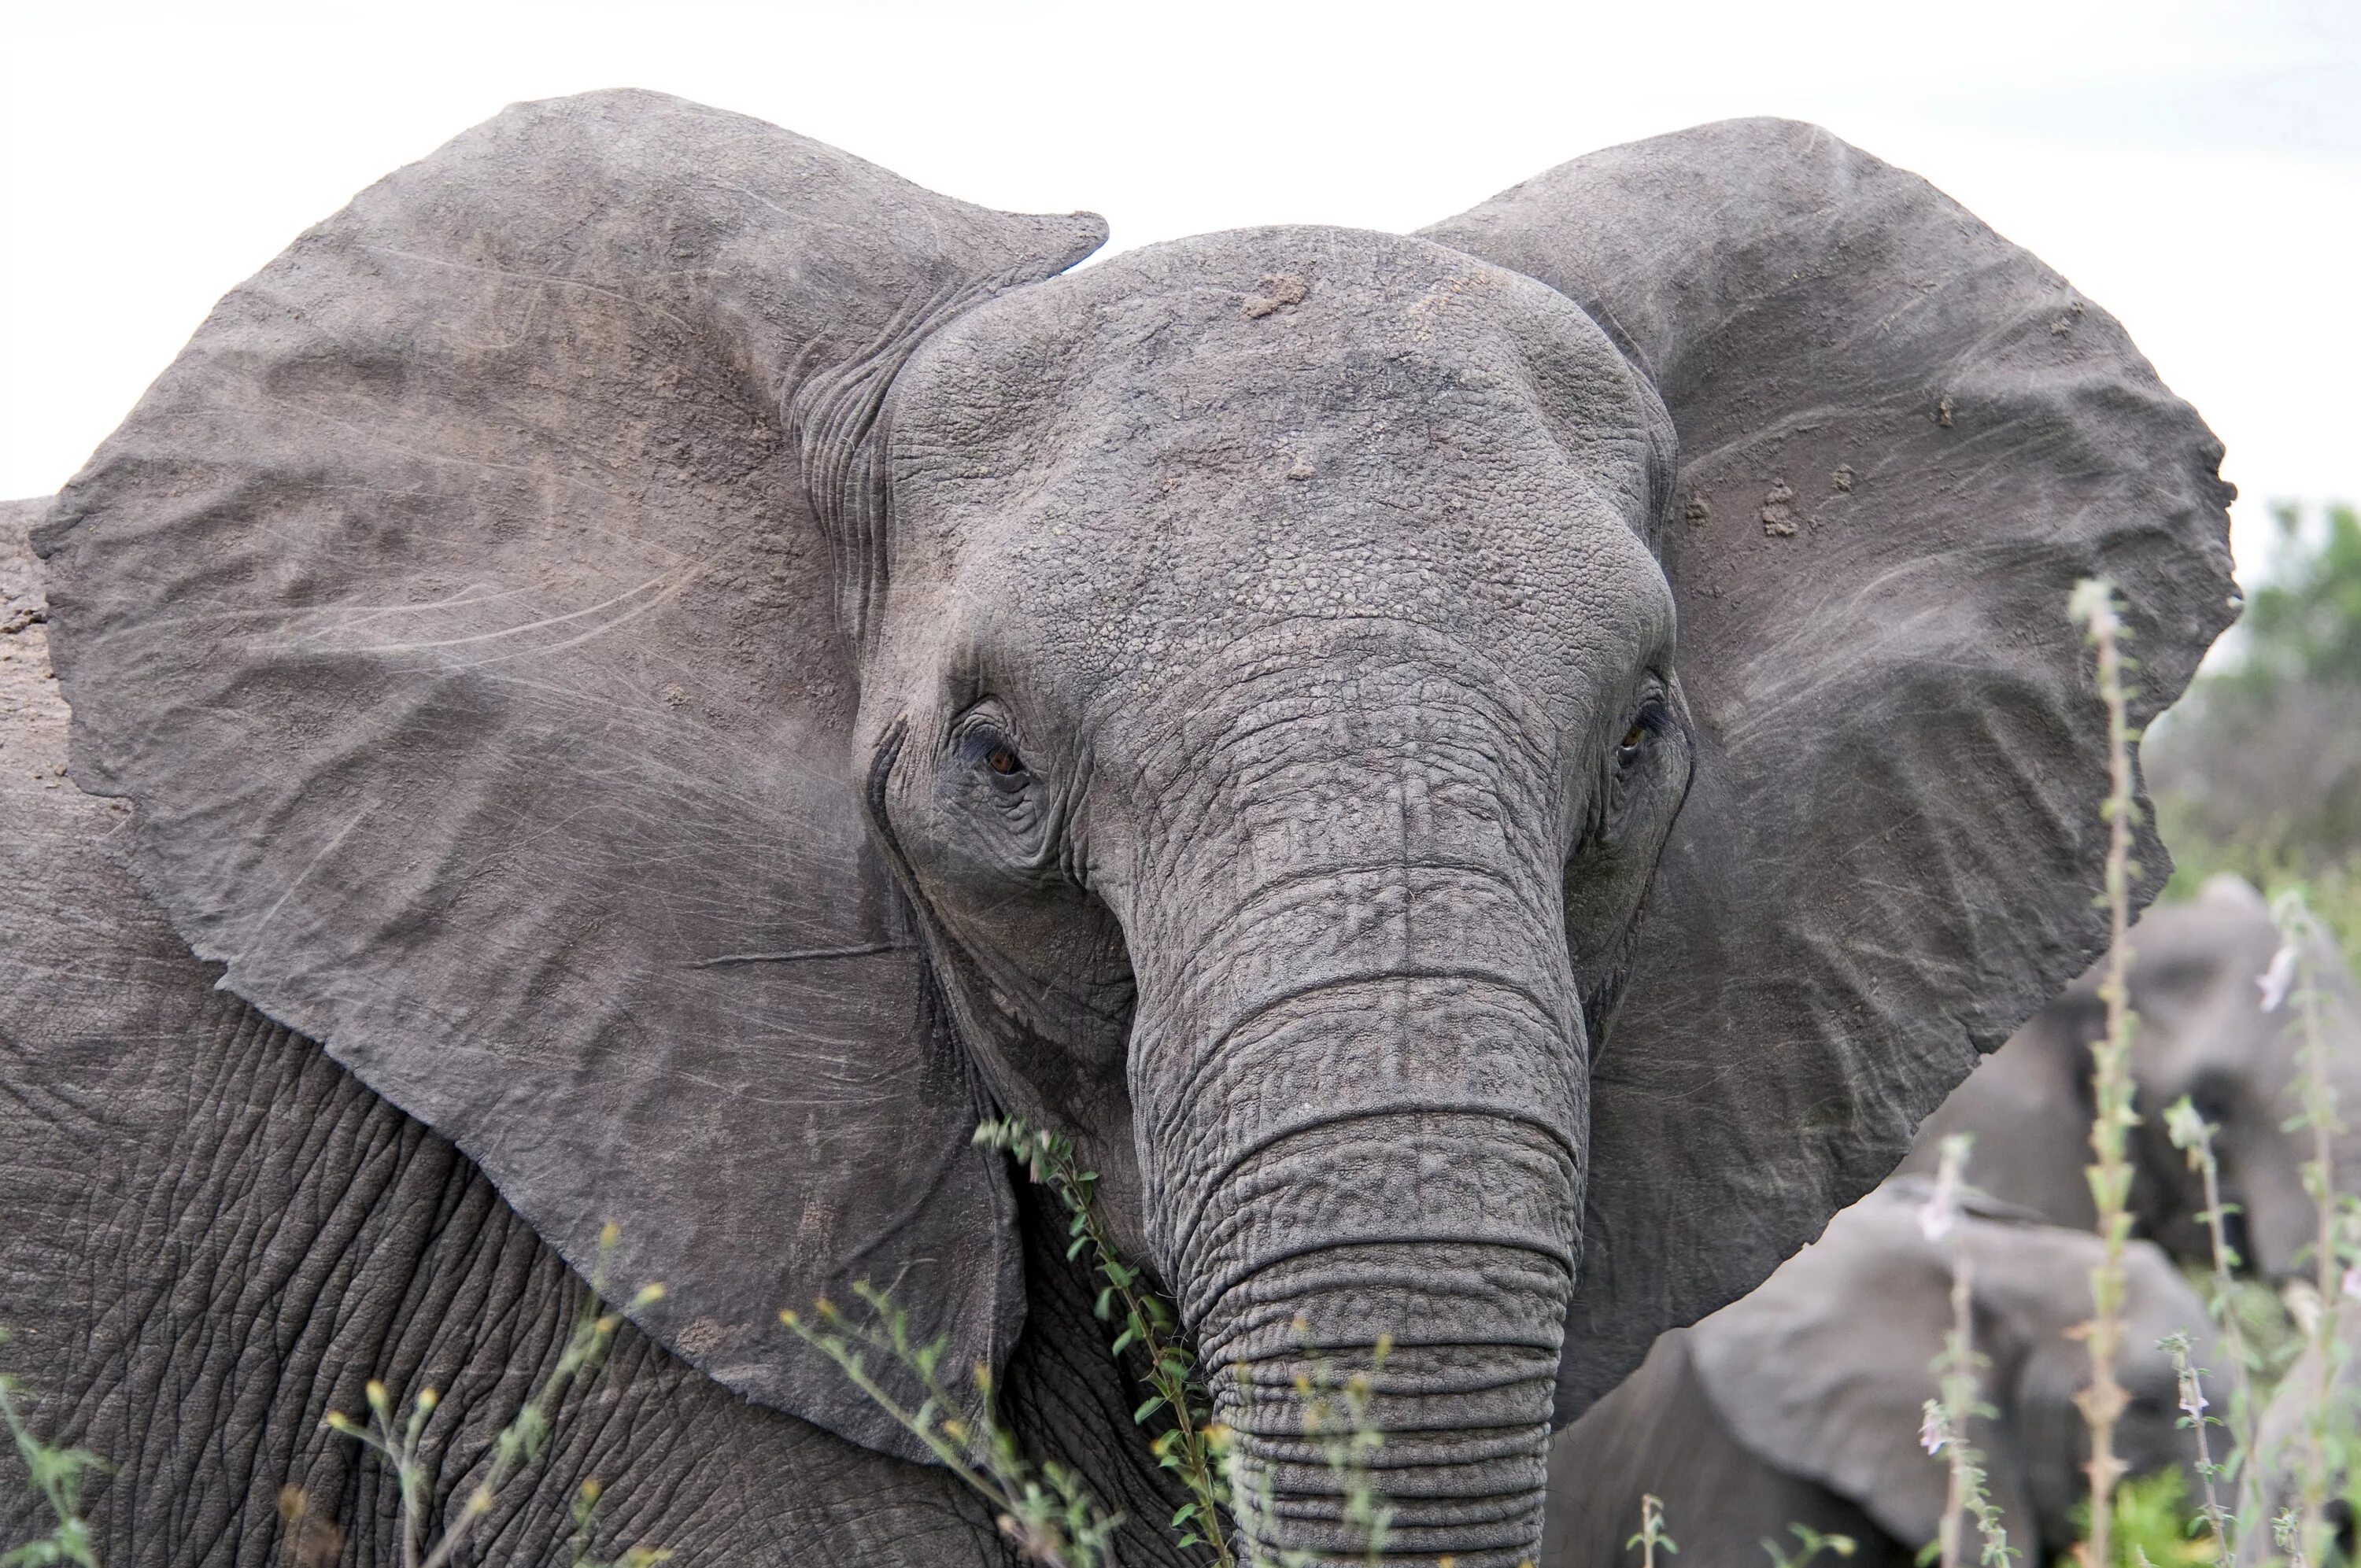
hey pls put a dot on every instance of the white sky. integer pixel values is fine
(2194, 167)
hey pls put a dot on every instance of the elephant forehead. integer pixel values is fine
(1161, 452)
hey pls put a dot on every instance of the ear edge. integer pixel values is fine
(335, 1008)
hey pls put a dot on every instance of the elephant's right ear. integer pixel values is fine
(472, 613)
(1902, 442)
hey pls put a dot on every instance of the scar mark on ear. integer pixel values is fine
(805, 955)
(530, 279)
(653, 594)
(289, 891)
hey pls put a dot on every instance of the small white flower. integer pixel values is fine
(2277, 978)
(1940, 1213)
(1932, 1428)
(1936, 1218)
(2350, 1286)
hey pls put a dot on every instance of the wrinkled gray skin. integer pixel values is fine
(1801, 1403)
(2203, 1033)
(663, 672)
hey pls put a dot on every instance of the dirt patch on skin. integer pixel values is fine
(32, 715)
(705, 1335)
(1278, 290)
(21, 604)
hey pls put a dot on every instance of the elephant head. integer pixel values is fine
(2205, 1030)
(1818, 1379)
(698, 669)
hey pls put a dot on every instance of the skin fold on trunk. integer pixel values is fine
(1361, 1089)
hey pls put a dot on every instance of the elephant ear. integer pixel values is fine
(1902, 441)
(470, 613)
(1822, 1372)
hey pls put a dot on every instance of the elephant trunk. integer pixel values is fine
(1384, 1242)
(1426, 1439)
(1361, 1088)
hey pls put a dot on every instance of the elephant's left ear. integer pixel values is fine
(1903, 440)
(472, 613)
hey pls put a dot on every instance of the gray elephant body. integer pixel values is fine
(1800, 1403)
(2204, 1031)
(696, 670)
(217, 1234)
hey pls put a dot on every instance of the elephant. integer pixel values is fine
(649, 671)
(1800, 1404)
(2205, 1030)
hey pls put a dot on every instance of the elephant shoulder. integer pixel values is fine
(184, 1178)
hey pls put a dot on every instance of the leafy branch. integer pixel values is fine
(1651, 1538)
(2094, 607)
(2293, 978)
(519, 1445)
(1809, 1544)
(1188, 1448)
(1050, 1519)
(57, 1474)
(2191, 1380)
(2193, 1136)
(1959, 1371)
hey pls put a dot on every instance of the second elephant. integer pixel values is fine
(2204, 1031)
(1802, 1403)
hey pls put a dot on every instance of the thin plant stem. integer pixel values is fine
(1337, 1418)
(2191, 1380)
(1147, 1323)
(1050, 1518)
(2193, 1136)
(1958, 1378)
(1651, 1536)
(2094, 607)
(517, 1445)
(2293, 976)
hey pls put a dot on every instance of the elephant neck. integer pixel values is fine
(1070, 1399)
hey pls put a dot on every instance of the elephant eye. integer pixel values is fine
(986, 744)
(1649, 721)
